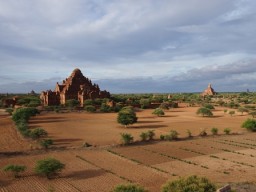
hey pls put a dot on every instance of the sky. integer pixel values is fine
(129, 46)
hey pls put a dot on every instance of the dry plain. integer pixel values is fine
(222, 159)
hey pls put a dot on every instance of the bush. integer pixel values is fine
(204, 112)
(151, 134)
(214, 131)
(189, 133)
(126, 138)
(144, 136)
(158, 111)
(162, 137)
(15, 169)
(231, 113)
(164, 106)
(126, 116)
(90, 108)
(209, 106)
(128, 188)
(105, 108)
(242, 110)
(37, 133)
(253, 113)
(203, 133)
(88, 102)
(249, 124)
(9, 110)
(189, 184)
(49, 167)
(72, 103)
(46, 143)
(23, 114)
(227, 131)
(173, 135)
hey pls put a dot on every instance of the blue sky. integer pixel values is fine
(129, 46)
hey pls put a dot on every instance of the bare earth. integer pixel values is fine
(223, 159)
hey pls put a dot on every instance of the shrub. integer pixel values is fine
(164, 106)
(90, 108)
(158, 111)
(15, 169)
(46, 143)
(173, 135)
(23, 114)
(203, 133)
(227, 131)
(162, 137)
(204, 112)
(242, 110)
(144, 103)
(144, 136)
(151, 134)
(189, 133)
(225, 110)
(49, 167)
(126, 138)
(9, 110)
(89, 102)
(128, 188)
(72, 103)
(253, 113)
(37, 133)
(249, 124)
(126, 116)
(189, 184)
(105, 108)
(209, 106)
(214, 131)
(231, 113)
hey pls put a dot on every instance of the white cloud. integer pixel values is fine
(123, 39)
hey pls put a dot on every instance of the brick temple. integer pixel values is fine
(208, 91)
(76, 86)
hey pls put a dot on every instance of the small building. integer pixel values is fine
(76, 86)
(208, 91)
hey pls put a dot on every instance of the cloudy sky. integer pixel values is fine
(129, 46)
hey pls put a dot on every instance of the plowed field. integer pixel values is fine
(221, 158)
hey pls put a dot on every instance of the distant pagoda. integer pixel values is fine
(208, 91)
(76, 86)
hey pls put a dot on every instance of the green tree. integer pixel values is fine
(158, 111)
(126, 138)
(128, 188)
(253, 113)
(249, 124)
(144, 103)
(189, 184)
(49, 167)
(204, 112)
(15, 169)
(231, 113)
(242, 110)
(126, 116)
